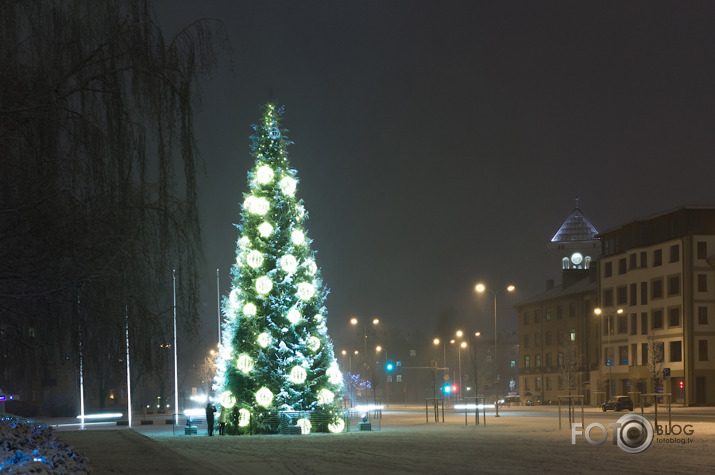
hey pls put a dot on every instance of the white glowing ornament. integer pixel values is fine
(287, 185)
(250, 309)
(234, 299)
(336, 426)
(227, 399)
(311, 267)
(325, 396)
(318, 318)
(264, 397)
(255, 259)
(304, 425)
(265, 229)
(264, 285)
(244, 364)
(244, 242)
(244, 417)
(256, 205)
(334, 375)
(306, 291)
(289, 263)
(297, 237)
(293, 316)
(298, 375)
(313, 343)
(264, 174)
(264, 339)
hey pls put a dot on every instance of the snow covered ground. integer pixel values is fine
(522, 439)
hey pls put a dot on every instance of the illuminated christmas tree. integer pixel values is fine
(276, 354)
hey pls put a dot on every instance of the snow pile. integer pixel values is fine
(30, 447)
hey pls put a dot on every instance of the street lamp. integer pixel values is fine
(481, 288)
(607, 352)
(436, 342)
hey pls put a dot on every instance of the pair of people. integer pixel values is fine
(210, 419)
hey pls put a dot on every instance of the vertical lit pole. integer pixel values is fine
(176, 371)
(218, 309)
(129, 381)
(81, 369)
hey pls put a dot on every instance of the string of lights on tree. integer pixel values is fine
(275, 353)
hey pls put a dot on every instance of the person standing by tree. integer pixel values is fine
(222, 420)
(210, 418)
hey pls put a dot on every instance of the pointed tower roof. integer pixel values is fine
(576, 228)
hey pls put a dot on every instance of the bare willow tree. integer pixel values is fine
(571, 366)
(656, 360)
(98, 195)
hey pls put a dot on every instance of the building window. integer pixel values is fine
(608, 298)
(644, 354)
(565, 263)
(674, 317)
(548, 361)
(526, 384)
(610, 356)
(702, 350)
(644, 323)
(573, 334)
(657, 320)
(644, 293)
(632, 261)
(634, 354)
(659, 351)
(560, 337)
(702, 282)
(537, 316)
(621, 295)
(657, 257)
(623, 355)
(634, 324)
(398, 378)
(644, 259)
(526, 341)
(527, 361)
(526, 318)
(702, 250)
(537, 386)
(537, 361)
(609, 328)
(547, 338)
(560, 359)
(559, 313)
(656, 288)
(548, 383)
(674, 253)
(622, 266)
(537, 339)
(674, 285)
(547, 314)
(623, 324)
(572, 310)
(634, 294)
(608, 269)
(703, 315)
(676, 351)
(561, 382)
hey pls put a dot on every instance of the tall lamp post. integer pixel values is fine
(607, 352)
(481, 288)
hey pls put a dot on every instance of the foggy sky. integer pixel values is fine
(443, 143)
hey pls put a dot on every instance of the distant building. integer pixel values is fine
(660, 272)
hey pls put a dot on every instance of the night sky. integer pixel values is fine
(443, 143)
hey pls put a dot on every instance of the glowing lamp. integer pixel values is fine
(244, 242)
(244, 417)
(289, 263)
(255, 259)
(264, 339)
(256, 205)
(287, 185)
(265, 229)
(297, 375)
(304, 425)
(250, 309)
(264, 397)
(264, 285)
(325, 396)
(334, 375)
(313, 343)
(227, 399)
(244, 364)
(311, 267)
(264, 175)
(338, 425)
(306, 291)
(297, 237)
(293, 316)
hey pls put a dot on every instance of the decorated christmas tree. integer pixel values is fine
(276, 357)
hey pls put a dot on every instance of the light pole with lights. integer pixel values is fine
(481, 288)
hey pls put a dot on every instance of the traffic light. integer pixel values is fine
(454, 388)
(447, 388)
(680, 384)
(389, 366)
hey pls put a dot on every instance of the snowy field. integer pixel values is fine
(521, 440)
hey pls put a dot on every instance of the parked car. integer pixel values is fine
(618, 403)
